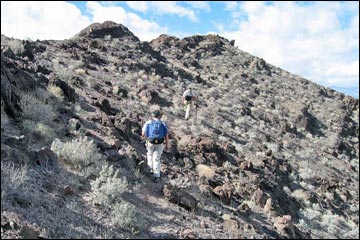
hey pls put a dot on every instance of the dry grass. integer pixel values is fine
(58, 92)
(301, 195)
(16, 46)
(35, 109)
(204, 170)
(12, 177)
(80, 71)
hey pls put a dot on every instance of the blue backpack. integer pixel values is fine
(155, 132)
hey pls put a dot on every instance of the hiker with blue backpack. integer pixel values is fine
(187, 98)
(156, 134)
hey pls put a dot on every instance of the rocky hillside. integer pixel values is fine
(267, 154)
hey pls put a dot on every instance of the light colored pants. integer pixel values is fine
(154, 152)
(188, 106)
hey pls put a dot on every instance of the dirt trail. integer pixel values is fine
(163, 218)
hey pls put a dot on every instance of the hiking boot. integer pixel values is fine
(156, 179)
(149, 170)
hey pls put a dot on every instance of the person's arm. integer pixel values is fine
(166, 137)
(167, 142)
(143, 131)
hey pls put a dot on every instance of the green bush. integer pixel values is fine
(108, 187)
(81, 153)
(125, 215)
(31, 127)
(35, 109)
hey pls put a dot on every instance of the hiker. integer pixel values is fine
(156, 133)
(187, 99)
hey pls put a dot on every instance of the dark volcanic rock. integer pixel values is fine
(108, 28)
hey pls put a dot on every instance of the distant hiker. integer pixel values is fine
(156, 133)
(187, 99)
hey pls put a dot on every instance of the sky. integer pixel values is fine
(317, 40)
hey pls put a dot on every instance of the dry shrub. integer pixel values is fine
(58, 92)
(204, 170)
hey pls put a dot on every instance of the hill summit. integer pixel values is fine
(108, 29)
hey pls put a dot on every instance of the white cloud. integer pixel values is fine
(62, 20)
(202, 5)
(307, 40)
(106, 13)
(254, 8)
(346, 71)
(163, 7)
(142, 28)
(230, 5)
(41, 20)
(141, 6)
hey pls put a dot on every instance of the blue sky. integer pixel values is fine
(316, 40)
